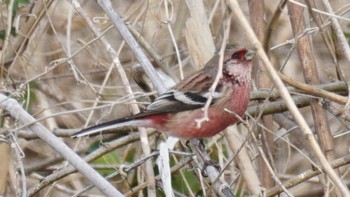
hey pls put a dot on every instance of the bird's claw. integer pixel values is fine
(187, 143)
(201, 145)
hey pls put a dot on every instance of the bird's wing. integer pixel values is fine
(177, 101)
(190, 93)
(199, 81)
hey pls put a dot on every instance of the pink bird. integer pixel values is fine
(175, 112)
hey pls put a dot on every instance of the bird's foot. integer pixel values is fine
(187, 143)
(201, 145)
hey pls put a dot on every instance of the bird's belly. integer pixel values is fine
(185, 124)
(201, 129)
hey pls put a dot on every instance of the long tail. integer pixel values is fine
(123, 122)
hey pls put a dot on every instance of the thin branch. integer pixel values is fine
(331, 14)
(313, 90)
(286, 96)
(121, 142)
(17, 112)
(170, 30)
(134, 46)
(302, 177)
(218, 76)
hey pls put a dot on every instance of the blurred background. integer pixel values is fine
(62, 73)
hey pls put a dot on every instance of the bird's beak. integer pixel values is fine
(250, 54)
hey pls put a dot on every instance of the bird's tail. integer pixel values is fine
(124, 122)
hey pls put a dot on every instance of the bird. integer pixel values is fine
(177, 111)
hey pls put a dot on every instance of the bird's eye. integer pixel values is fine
(235, 56)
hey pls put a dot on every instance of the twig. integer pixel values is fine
(242, 160)
(307, 175)
(156, 57)
(123, 169)
(7, 35)
(331, 14)
(273, 174)
(131, 41)
(313, 90)
(221, 187)
(272, 24)
(175, 168)
(92, 156)
(147, 66)
(19, 156)
(17, 112)
(218, 75)
(344, 45)
(168, 24)
(43, 164)
(286, 96)
(308, 64)
(256, 15)
(19, 43)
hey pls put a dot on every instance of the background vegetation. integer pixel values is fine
(60, 61)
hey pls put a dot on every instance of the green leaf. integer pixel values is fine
(347, 35)
(16, 4)
(18, 1)
(110, 158)
(179, 184)
(2, 34)
(23, 1)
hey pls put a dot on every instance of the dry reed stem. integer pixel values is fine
(286, 96)
(21, 115)
(44, 62)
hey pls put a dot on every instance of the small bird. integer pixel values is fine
(175, 112)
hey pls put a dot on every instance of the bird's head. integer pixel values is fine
(237, 64)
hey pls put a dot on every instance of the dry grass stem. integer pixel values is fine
(68, 65)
